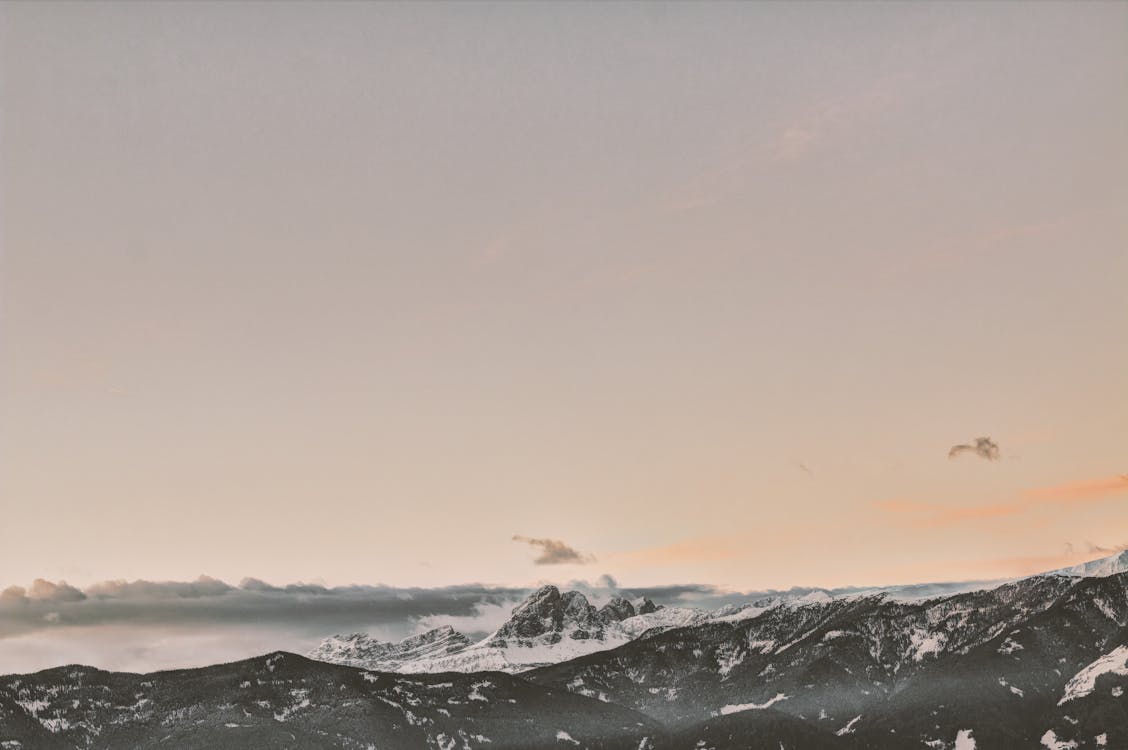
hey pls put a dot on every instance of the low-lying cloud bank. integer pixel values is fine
(208, 602)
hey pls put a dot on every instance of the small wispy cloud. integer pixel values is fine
(984, 447)
(829, 119)
(554, 552)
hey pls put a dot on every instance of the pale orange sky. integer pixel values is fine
(358, 292)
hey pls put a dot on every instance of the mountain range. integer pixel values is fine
(1040, 662)
(550, 626)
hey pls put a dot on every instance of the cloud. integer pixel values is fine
(834, 118)
(797, 140)
(608, 582)
(202, 586)
(929, 515)
(1087, 490)
(206, 602)
(984, 447)
(554, 552)
(46, 591)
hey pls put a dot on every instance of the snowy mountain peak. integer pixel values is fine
(1105, 566)
(548, 615)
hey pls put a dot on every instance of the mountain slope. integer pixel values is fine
(1106, 566)
(284, 700)
(993, 662)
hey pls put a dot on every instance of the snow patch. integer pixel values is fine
(1050, 740)
(738, 707)
(924, 643)
(849, 728)
(1009, 646)
(964, 740)
(1085, 681)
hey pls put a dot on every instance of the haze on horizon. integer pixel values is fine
(426, 294)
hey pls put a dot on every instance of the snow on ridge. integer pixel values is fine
(849, 728)
(1105, 566)
(1085, 681)
(738, 707)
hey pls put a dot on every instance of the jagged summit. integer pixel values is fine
(617, 609)
(549, 615)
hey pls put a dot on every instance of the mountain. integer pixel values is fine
(1040, 662)
(1106, 566)
(362, 650)
(1003, 666)
(549, 626)
(284, 700)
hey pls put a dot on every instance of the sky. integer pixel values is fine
(432, 294)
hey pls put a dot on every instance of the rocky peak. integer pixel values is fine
(617, 610)
(548, 615)
(647, 607)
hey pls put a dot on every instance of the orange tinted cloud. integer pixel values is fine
(931, 515)
(1078, 492)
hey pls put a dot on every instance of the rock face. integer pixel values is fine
(617, 610)
(548, 616)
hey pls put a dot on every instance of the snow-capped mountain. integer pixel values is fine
(550, 626)
(1007, 666)
(1036, 663)
(1106, 566)
(362, 650)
